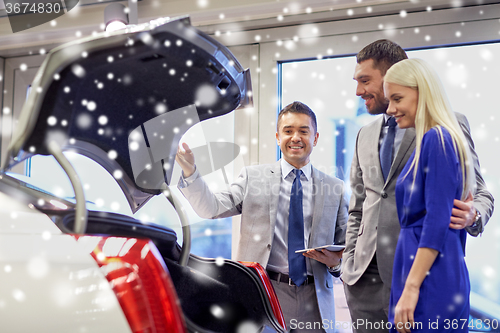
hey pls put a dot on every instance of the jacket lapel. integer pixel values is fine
(373, 137)
(319, 202)
(404, 152)
(273, 183)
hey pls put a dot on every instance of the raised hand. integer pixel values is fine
(185, 158)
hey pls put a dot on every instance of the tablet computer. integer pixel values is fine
(330, 247)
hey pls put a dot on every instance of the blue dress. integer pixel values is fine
(424, 211)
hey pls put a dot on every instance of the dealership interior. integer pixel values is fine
(295, 50)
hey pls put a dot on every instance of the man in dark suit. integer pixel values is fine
(373, 226)
(264, 196)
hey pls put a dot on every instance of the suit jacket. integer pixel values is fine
(373, 225)
(255, 195)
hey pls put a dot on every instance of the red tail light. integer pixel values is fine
(140, 281)
(275, 304)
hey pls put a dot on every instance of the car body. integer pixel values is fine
(65, 268)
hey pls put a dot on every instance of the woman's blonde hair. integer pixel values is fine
(433, 111)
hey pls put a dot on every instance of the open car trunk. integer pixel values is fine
(215, 296)
(124, 100)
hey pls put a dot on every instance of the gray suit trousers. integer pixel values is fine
(367, 316)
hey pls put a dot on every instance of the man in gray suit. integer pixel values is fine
(373, 226)
(262, 195)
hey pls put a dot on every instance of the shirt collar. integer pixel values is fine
(386, 117)
(286, 168)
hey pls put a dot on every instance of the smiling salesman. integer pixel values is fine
(285, 206)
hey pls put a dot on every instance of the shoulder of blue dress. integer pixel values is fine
(437, 132)
(438, 136)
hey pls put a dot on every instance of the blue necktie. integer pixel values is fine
(386, 148)
(296, 261)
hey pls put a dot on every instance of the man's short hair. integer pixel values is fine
(298, 107)
(384, 53)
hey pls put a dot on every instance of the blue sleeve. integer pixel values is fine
(442, 182)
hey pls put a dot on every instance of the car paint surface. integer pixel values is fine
(49, 281)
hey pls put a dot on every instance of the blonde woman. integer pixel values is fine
(430, 285)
